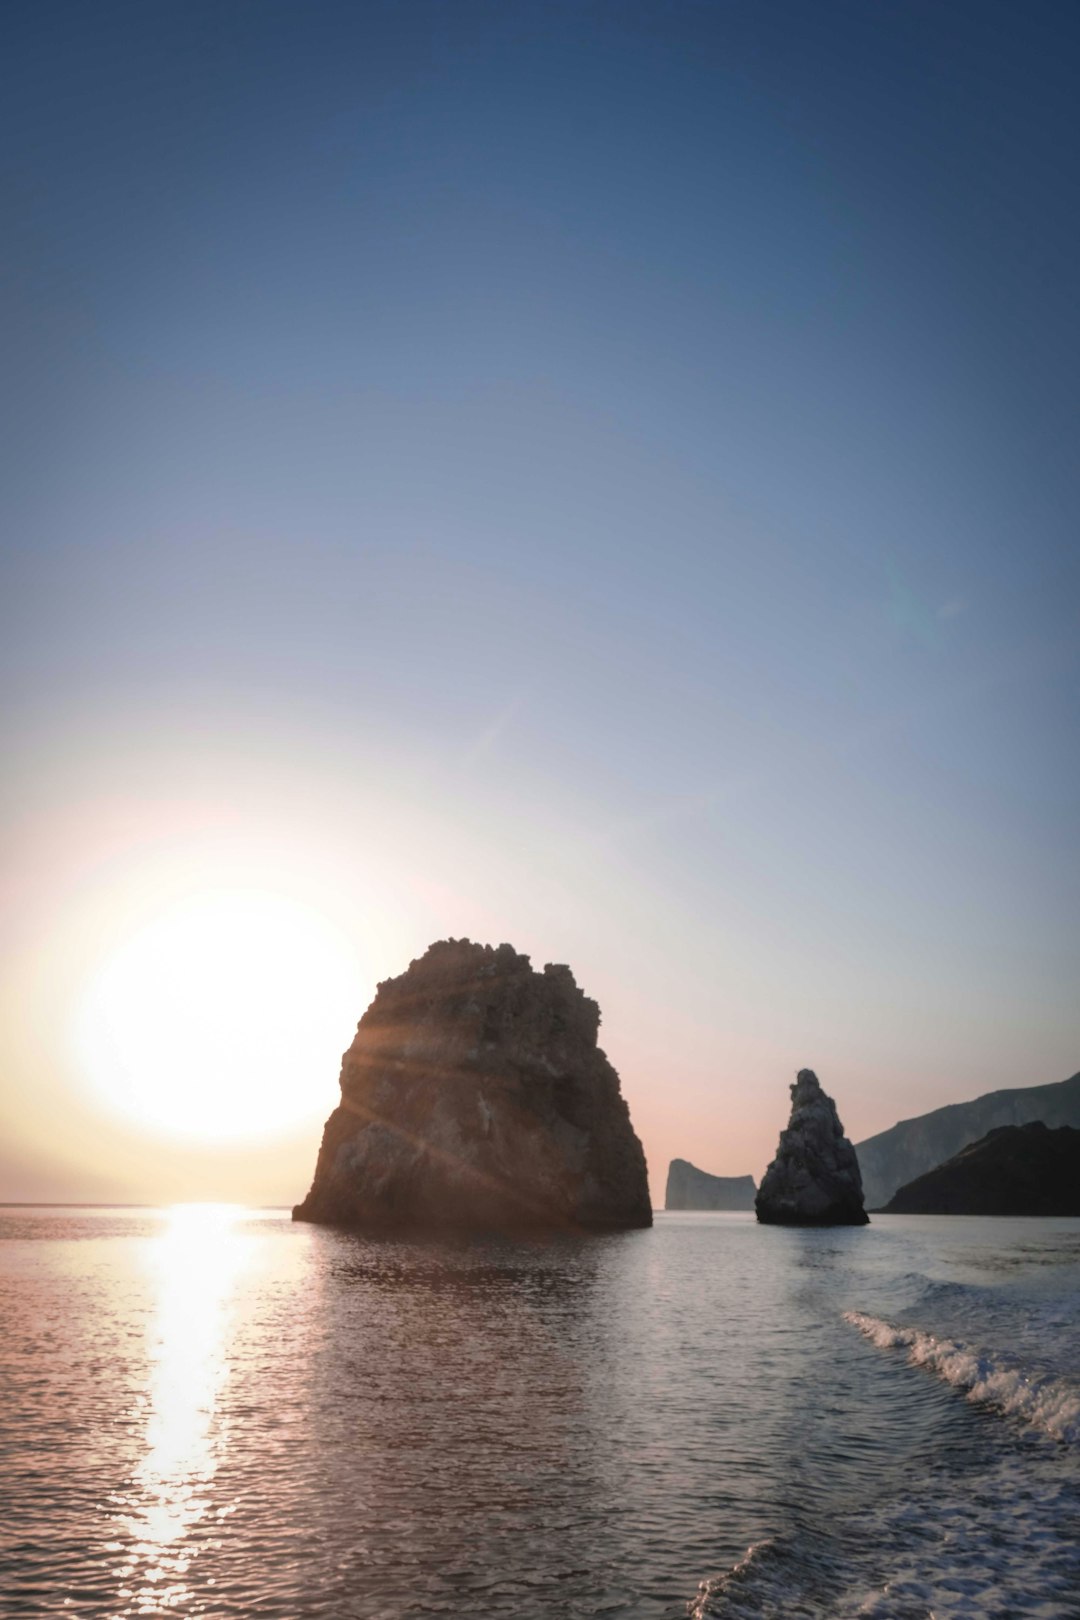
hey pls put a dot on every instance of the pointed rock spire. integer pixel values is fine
(814, 1179)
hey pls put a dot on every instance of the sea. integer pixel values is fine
(213, 1411)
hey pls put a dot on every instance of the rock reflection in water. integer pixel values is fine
(477, 1387)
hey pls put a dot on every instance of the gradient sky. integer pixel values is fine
(600, 476)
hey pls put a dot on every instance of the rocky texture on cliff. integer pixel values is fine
(896, 1156)
(814, 1179)
(691, 1188)
(1014, 1170)
(475, 1098)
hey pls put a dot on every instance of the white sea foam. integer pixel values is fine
(1051, 1404)
(760, 1584)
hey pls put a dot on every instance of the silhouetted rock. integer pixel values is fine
(814, 1179)
(691, 1188)
(475, 1097)
(896, 1156)
(1014, 1170)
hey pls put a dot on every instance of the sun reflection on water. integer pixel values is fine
(195, 1261)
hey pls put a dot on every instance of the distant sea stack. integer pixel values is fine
(691, 1188)
(814, 1179)
(1015, 1170)
(475, 1098)
(896, 1156)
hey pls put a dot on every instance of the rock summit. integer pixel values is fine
(475, 1098)
(814, 1179)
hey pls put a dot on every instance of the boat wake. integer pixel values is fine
(1048, 1403)
(993, 1537)
(1001, 1548)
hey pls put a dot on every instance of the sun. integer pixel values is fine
(223, 1018)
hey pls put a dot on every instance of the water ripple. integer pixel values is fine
(218, 1413)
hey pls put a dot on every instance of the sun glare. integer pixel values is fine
(223, 1018)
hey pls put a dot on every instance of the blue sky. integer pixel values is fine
(607, 469)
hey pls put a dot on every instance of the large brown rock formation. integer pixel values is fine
(474, 1097)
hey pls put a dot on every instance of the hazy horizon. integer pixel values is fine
(597, 477)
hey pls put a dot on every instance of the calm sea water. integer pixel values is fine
(216, 1412)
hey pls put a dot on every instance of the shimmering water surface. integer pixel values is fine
(213, 1411)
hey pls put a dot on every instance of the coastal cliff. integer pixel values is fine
(1014, 1170)
(475, 1097)
(814, 1179)
(896, 1156)
(691, 1188)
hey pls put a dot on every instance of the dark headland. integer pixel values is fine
(1014, 1170)
(894, 1157)
(475, 1098)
